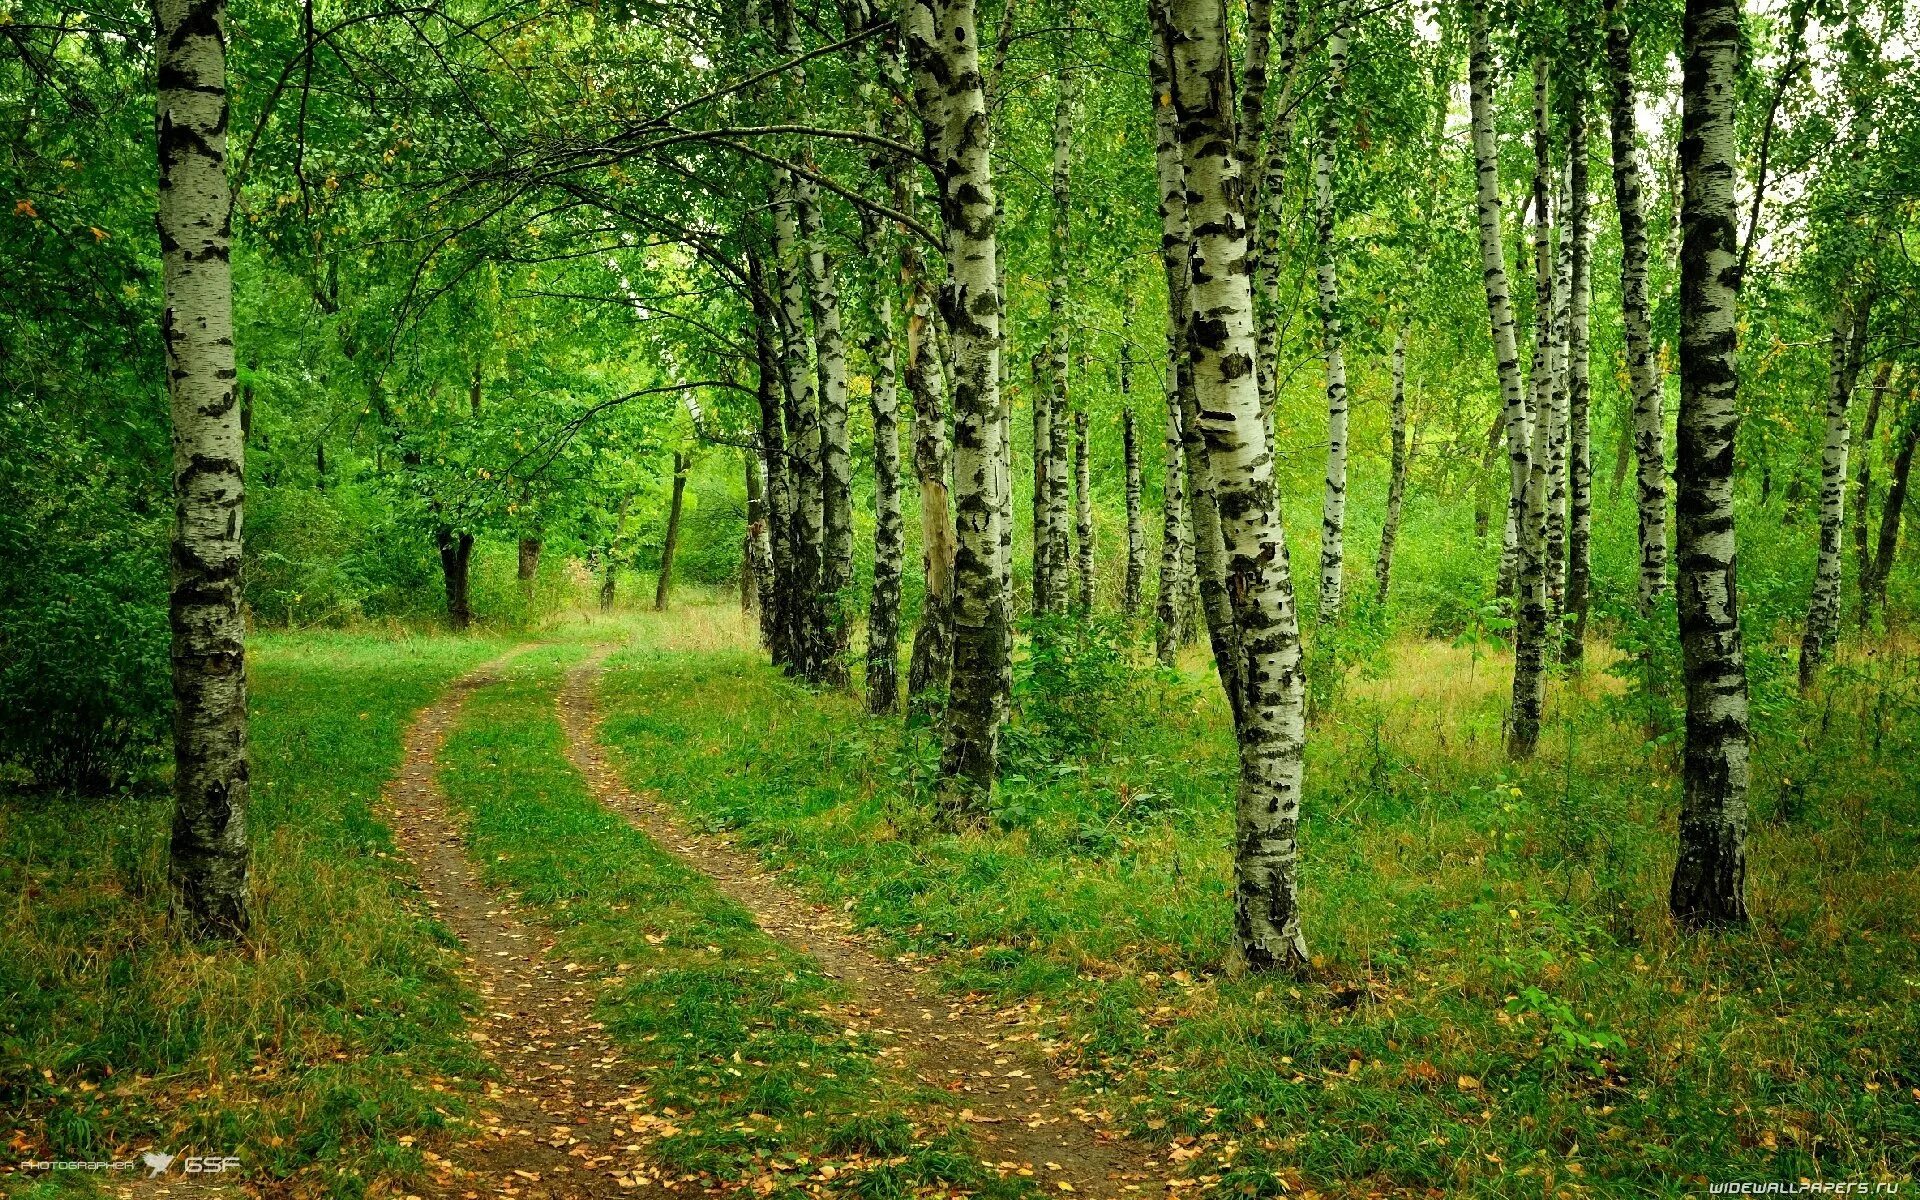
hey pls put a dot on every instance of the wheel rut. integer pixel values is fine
(550, 1127)
(997, 1062)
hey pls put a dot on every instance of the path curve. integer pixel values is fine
(547, 1130)
(994, 1061)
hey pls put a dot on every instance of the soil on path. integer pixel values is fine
(549, 1129)
(996, 1062)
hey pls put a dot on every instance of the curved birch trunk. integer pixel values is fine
(670, 544)
(1515, 419)
(207, 863)
(1579, 385)
(1397, 469)
(1649, 422)
(1333, 507)
(1208, 568)
(1709, 876)
(1846, 346)
(1888, 540)
(1863, 493)
(943, 47)
(1221, 348)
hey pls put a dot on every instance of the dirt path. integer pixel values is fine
(996, 1062)
(549, 1130)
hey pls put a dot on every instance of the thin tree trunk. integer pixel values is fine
(1221, 346)
(1579, 382)
(1083, 510)
(528, 564)
(207, 863)
(1059, 408)
(607, 588)
(756, 579)
(943, 46)
(1270, 211)
(1889, 538)
(1397, 468)
(1558, 419)
(456, 553)
(1135, 585)
(1208, 550)
(836, 460)
(1042, 455)
(663, 586)
(1493, 265)
(1649, 422)
(1169, 608)
(1863, 492)
(889, 536)
(1530, 588)
(1845, 348)
(1333, 507)
(776, 605)
(931, 662)
(1709, 876)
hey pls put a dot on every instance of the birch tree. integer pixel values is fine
(1397, 467)
(1333, 506)
(1221, 347)
(1709, 875)
(1846, 346)
(1649, 422)
(207, 863)
(1579, 382)
(943, 48)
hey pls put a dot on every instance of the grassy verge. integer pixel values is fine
(1500, 1006)
(749, 1076)
(313, 1054)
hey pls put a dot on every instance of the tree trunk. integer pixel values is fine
(207, 864)
(1558, 419)
(756, 566)
(1863, 492)
(776, 589)
(528, 565)
(889, 537)
(1649, 423)
(806, 620)
(1530, 588)
(836, 460)
(1845, 348)
(663, 586)
(1269, 212)
(1208, 550)
(1889, 539)
(931, 663)
(1083, 510)
(1169, 608)
(1397, 468)
(1333, 508)
(1709, 877)
(456, 555)
(1042, 456)
(1221, 348)
(1579, 383)
(607, 588)
(1059, 409)
(942, 44)
(1493, 265)
(1135, 586)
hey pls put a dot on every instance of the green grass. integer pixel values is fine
(336, 1033)
(747, 1074)
(1499, 1007)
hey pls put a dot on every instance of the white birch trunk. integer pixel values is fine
(1333, 507)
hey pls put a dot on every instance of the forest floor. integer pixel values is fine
(623, 911)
